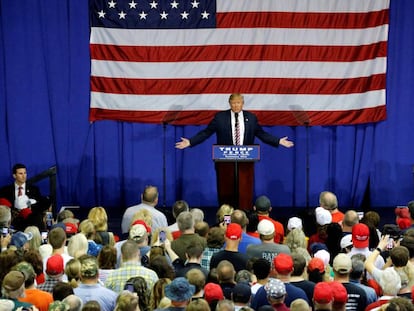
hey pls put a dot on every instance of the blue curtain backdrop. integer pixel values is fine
(44, 102)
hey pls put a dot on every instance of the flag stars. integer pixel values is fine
(163, 15)
(132, 4)
(195, 4)
(205, 15)
(122, 15)
(184, 15)
(174, 4)
(143, 15)
(112, 4)
(153, 4)
(101, 14)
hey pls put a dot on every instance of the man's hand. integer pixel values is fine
(5, 241)
(184, 143)
(285, 142)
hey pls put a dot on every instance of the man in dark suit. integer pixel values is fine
(21, 188)
(223, 125)
(234, 127)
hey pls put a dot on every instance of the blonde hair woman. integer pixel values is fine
(78, 245)
(36, 240)
(73, 272)
(224, 209)
(99, 218)
(87, 228)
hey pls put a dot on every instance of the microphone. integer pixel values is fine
(236, 115)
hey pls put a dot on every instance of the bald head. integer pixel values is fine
(150, 195)
(328, 201)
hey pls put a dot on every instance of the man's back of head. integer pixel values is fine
(57, 237)
(129, 251)
(185, 221)
(198, 215)
(263, 205)
(74, 302)
(194, 250)
(328, 200)
(239, 217)
(350, 219)
(299, 264)
(150, 195)
(226, 272)
(261, 268)
(179, 207)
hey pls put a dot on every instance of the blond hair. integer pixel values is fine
(99, 218)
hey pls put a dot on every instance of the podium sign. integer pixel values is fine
(235, 174)
(236, 153)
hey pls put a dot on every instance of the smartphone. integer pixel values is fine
(44, 236)
(390, 243)
(162, 236)
(227, 219)
(360, 215)
(5, 231)
(129, 287)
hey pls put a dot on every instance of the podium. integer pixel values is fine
(235, 174)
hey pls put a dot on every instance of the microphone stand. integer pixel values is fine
(168, 118)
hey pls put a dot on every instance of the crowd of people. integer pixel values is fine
(246, 260)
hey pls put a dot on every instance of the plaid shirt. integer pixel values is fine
(48, 285)
(116, 279)
(206, 257)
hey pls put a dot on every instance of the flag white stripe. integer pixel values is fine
(234, 36)
(301, 5)
(265, 102)
(238, 69)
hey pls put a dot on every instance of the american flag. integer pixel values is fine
(317, 62)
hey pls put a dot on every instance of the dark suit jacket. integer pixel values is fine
(36, 218)
(221, 126)
(8, 192)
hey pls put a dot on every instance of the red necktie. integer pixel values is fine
(20, 192)
(237, 129)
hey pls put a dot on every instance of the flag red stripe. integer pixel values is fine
(242, 52)
(343, 20)
(228, 85)
(375, 114)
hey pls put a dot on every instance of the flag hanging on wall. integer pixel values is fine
(319, 62)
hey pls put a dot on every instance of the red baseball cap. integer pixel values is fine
(141, 222)
(340, 295)
(54, 265)
(71, 228)
(5, 202)
(233, 231)
(26, 212)
(213, 291)
(316, 264)
(360, 235)
(323, 293)
(283, 263)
